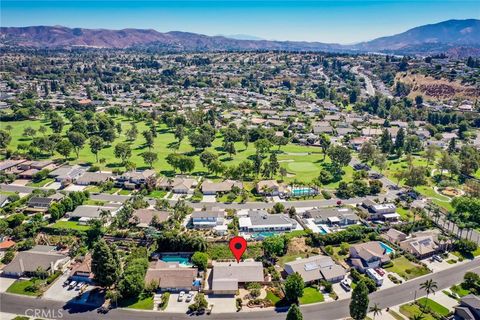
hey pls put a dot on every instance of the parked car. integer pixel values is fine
(437, 258)
(79, 285)
(181, 295)
(345, 285)
(375, 175)
(66, 283)
(189, 297)
(380, 271)
(72, 285)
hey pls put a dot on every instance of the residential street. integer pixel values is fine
(331, 310)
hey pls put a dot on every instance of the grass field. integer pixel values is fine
(303, 163)
(61, 224)
(311, 295)
(406, 269)
(41, 183)
(20, 286)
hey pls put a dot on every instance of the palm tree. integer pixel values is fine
(429, 286)
(376, 310)
(105, 215)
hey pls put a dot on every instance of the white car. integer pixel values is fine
(181, 295)
(72, 284)
(437, 258)
(345, 285)
(79, 286)
(189, 297)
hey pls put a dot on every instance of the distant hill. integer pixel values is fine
(240, 36)
(452, 36)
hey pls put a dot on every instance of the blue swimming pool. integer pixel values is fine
(184, 261)
(297, 192)
(388, 250)
(263, 235)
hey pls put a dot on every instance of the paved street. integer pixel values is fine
(328, 311)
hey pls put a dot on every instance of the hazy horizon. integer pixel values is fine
(345, 22)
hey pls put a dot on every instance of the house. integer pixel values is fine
(316, 268)
(134, 179)
(170, 276)
(421, 247)
(87, 212)
(368, 255)
(8, 166)
(394, 236)
(27, 262)
(142, 218)
(3, 200)
(259, 220)
(227, 277)
(67, 174)
(93, 178)
(41, 204)
(179, 185)
(81, 271)
(270, 188)
(207, 218)
(468, 308)
(332, 216)
(322, 127)
(381, 211)
(6, 244)
(212, 188)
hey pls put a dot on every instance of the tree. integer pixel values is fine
(429, 286)
(340, 156)
(430, 154)
(105, 264)
(294, 286)
(385, 142)
(132, 132)
(400, 139)
(274, 246)
(149, 158)
(179, 133)
(96, 144)
(229, 147)
(206, 157)
(324, 142)
(29, 132)
(123, 151)
(77, 139)
(64, 147)
(132, 281)
(367, 152)
(149, 139)
(294, 313)
(375, 309)
(200, 259)
(262, 146)
(359, 302)
(5, 139)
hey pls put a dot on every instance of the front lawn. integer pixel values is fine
(40, 183)
(434, 306)
(141, 302)
(311, 295)
(61, 224)
(410, 310)
(459, 291)
(157, 194)
(124, 192)
(22, 287)
(406, 269)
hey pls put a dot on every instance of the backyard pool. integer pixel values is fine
(298, 192)
(183, 261)
(388, 250)
(262, 235)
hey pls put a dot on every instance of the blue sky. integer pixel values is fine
(341, 21)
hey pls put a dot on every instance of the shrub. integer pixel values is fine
(326, 194)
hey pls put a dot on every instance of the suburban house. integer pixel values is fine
(207, 218)
(67, 174)
(5, 244)
(81, 271)
(381, 211)
(212, 188)
(142, 218)
(27, 262)
(368, 255)
(41, 204)
(316, 268)
(134, 179)
(468, 308)
(394, 236)
(93, 178)
(84, 213)
(170, 276)
(260, 220)
(179, 185)
(421, 247)
(270, 188)
(226, 277)
(332, 216)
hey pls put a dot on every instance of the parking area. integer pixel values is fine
(60, 293)
(5, 283)
(179, 306)
(437, 266)
(222, 304)
(209, 198)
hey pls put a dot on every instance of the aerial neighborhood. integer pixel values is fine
(124, 174)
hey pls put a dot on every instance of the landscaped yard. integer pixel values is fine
(61, 224)
(20, 287)
(143, 303)
(406, 269)
(459, 290)
(311, 295)
(40, 183)
(410, 310)
(434, 306)
(157, 194)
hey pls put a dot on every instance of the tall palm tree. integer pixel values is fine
(376, 310)
(429, 286)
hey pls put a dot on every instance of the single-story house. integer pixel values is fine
(368, 255)
(6, 244)
(260, 220)
(142, 218)
(179, 185)
(211, 188)
(394, 236)
(81, 271)
(41, 204)
(95, 178)
(381, 211)
(88, 212)
(468, 308)
(170, 276)
(27, 262)
(67, 174)
(207, 218)
(227, 277)
(332, 216)
(316, 268)
(270, 188)
(134, 179)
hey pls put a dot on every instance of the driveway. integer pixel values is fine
(436, 266)
(5, 283)
(59, 293)
(209, 198)
(176, 306)
(74, 187)
(222, 304)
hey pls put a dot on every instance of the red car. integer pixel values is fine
(380, 271)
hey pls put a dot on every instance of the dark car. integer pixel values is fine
(361, 166)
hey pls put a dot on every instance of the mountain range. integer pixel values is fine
(452, 36)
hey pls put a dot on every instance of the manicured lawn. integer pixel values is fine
(124, 192)
(69, 225)
(311, 295)
(272, 297)
(92, 202)
(20, 286)
(404, 213)
(143, 303)
(434, 306)
(459, 290)
(406, 269)
(157, 194)
(289, 258)
(301, 166)
(41, 183)
(410, 310)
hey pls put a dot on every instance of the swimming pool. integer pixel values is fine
(263, 235)
(183, 261)
(388, 250)
(302, 191)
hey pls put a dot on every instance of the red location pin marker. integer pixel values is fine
(238, 245)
